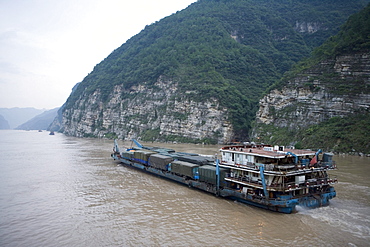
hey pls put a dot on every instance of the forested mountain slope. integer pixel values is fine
(325, 101)
(197, 75)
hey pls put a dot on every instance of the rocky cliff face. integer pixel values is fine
(149, 112)
(333, 88)
(308, 27)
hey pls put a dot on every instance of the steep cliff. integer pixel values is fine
(198, 75)
(334, 88)
(152, 112)
(337, 89)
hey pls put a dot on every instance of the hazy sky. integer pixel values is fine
(47, 46)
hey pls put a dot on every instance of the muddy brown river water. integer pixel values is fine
(65, 191)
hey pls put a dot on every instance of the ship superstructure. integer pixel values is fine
(270, 174)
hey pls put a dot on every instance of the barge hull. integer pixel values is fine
(285, 206)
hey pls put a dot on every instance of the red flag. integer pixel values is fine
(313, 161)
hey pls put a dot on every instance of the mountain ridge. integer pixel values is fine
(40, 122)
(16, 116)
(325, 101)
(226, 52)
(4, 123)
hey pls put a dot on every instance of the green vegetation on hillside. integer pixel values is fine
(353, 37)
(343, 135)
(231, 50)
(340, 134)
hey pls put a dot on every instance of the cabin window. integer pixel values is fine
(226, 156)
(250, 158)
(232, 157)
(243, 159)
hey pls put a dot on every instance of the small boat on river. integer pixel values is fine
(270, 177)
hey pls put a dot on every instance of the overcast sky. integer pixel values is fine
(47, 46)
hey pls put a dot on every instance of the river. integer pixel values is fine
(65, 191)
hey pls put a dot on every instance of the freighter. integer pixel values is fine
(276, 178)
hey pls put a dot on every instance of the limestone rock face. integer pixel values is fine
(308, 27)
(151, 111)
(333, 88)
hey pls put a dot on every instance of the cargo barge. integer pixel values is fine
(270, 177)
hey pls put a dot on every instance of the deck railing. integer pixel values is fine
(272, 167)
(286, 186)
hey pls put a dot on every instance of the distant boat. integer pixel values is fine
(52, 133)
(40, 130)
